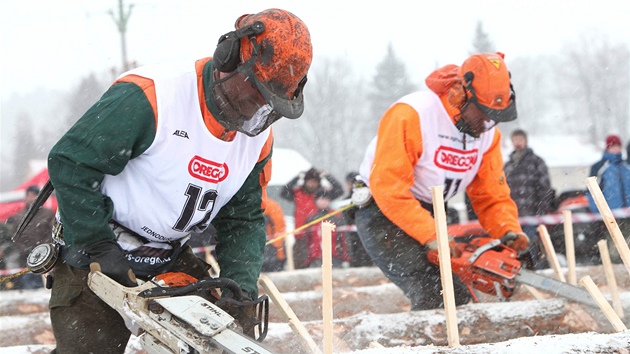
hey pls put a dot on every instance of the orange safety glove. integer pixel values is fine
(452, 245)
(520, 242)
(280, 253)
(279, 245)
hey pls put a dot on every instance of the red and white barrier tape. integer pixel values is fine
(558, 218)
(549, 219)
(4, 272)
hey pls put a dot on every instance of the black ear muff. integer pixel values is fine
(468, 78)
(227, 54)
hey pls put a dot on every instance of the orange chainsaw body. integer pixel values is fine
(482, 271)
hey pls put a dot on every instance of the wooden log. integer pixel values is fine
(304, 338)
(551, 252)
(610, 277)
(609, 221)
(327, 307)
(479, 323)
(599, 298)
(569, 246)
(446, 274)
(311, 278)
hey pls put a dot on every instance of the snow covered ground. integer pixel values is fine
(381, 317)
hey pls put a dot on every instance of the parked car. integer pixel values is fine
(586, 234)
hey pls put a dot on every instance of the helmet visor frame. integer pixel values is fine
(242, 106)
(506, 114)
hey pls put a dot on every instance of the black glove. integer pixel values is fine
(109, 258)
(517, 241)
(251, 316)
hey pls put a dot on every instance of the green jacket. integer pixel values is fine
(119, 127)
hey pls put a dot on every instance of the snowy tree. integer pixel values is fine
(390, 83)
(25, 149)
(481, 41)
(593, 85)
(90, 89)
(534, 90)
(332, 132)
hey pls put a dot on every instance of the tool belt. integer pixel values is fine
(147, 258)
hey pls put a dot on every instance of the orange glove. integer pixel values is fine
(279, 245)
(520, 243)
(452, 245)
(280, 253)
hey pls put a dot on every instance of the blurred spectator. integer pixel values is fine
(358, 255)
(301, 191)
(530, 187)
(275, 257)
(5, 249)
(613, 176)
(310, 241)
(350, 177)
(38, 231)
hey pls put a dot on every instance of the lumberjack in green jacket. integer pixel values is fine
(166, 151)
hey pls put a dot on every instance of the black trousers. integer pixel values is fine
(404, 261)
(83, 323)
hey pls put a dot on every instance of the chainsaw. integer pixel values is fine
(491, 267)
(176, 313)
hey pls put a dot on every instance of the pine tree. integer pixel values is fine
(390, 83)
(481, 41)
(25, 148)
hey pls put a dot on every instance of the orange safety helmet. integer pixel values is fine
(483, 85)
(286, 50)
(272, 51)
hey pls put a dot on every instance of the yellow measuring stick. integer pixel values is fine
(310, 223)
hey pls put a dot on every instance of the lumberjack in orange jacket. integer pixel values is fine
(445, 136)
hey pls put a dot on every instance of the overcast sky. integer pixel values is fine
(53, 44)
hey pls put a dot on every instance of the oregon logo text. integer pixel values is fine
(207, 170)
(454, 159)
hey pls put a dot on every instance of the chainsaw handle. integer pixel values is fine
(203, 284)
(490, 245)
(510, 236)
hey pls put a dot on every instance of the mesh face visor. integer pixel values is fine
(250, 106)
(473, 121)
(242, 106)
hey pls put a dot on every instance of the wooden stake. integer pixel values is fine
(305, 339)
(327, 305)
(590, 286)
(444, 255)
(610, 277)
(551, 252)
(609, 220)
(288, 250)
(569, 246)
